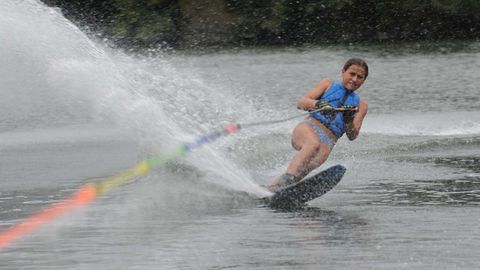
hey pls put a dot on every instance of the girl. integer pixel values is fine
(315, 137)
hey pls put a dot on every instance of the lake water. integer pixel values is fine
(73, 111)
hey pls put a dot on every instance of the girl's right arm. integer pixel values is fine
(309, 100)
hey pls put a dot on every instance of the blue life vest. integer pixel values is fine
(334, 95)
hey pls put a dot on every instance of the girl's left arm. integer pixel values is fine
(353, 127)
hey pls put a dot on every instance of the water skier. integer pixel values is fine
(315, 137)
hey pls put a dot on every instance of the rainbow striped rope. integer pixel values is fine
(90, 191)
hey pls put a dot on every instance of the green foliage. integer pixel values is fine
(144, 23)
(255, 17)
(458, 7)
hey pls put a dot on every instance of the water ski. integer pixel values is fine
(296, 195)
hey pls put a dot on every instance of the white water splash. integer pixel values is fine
(57, 66)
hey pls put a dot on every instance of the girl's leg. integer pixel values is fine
(305, 141)
(311, 153)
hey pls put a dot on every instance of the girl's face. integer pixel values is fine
(353, 77)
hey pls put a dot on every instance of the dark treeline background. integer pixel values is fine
(206, 23)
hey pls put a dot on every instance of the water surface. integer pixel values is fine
(73, 111)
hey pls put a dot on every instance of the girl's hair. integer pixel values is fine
(358, 62)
